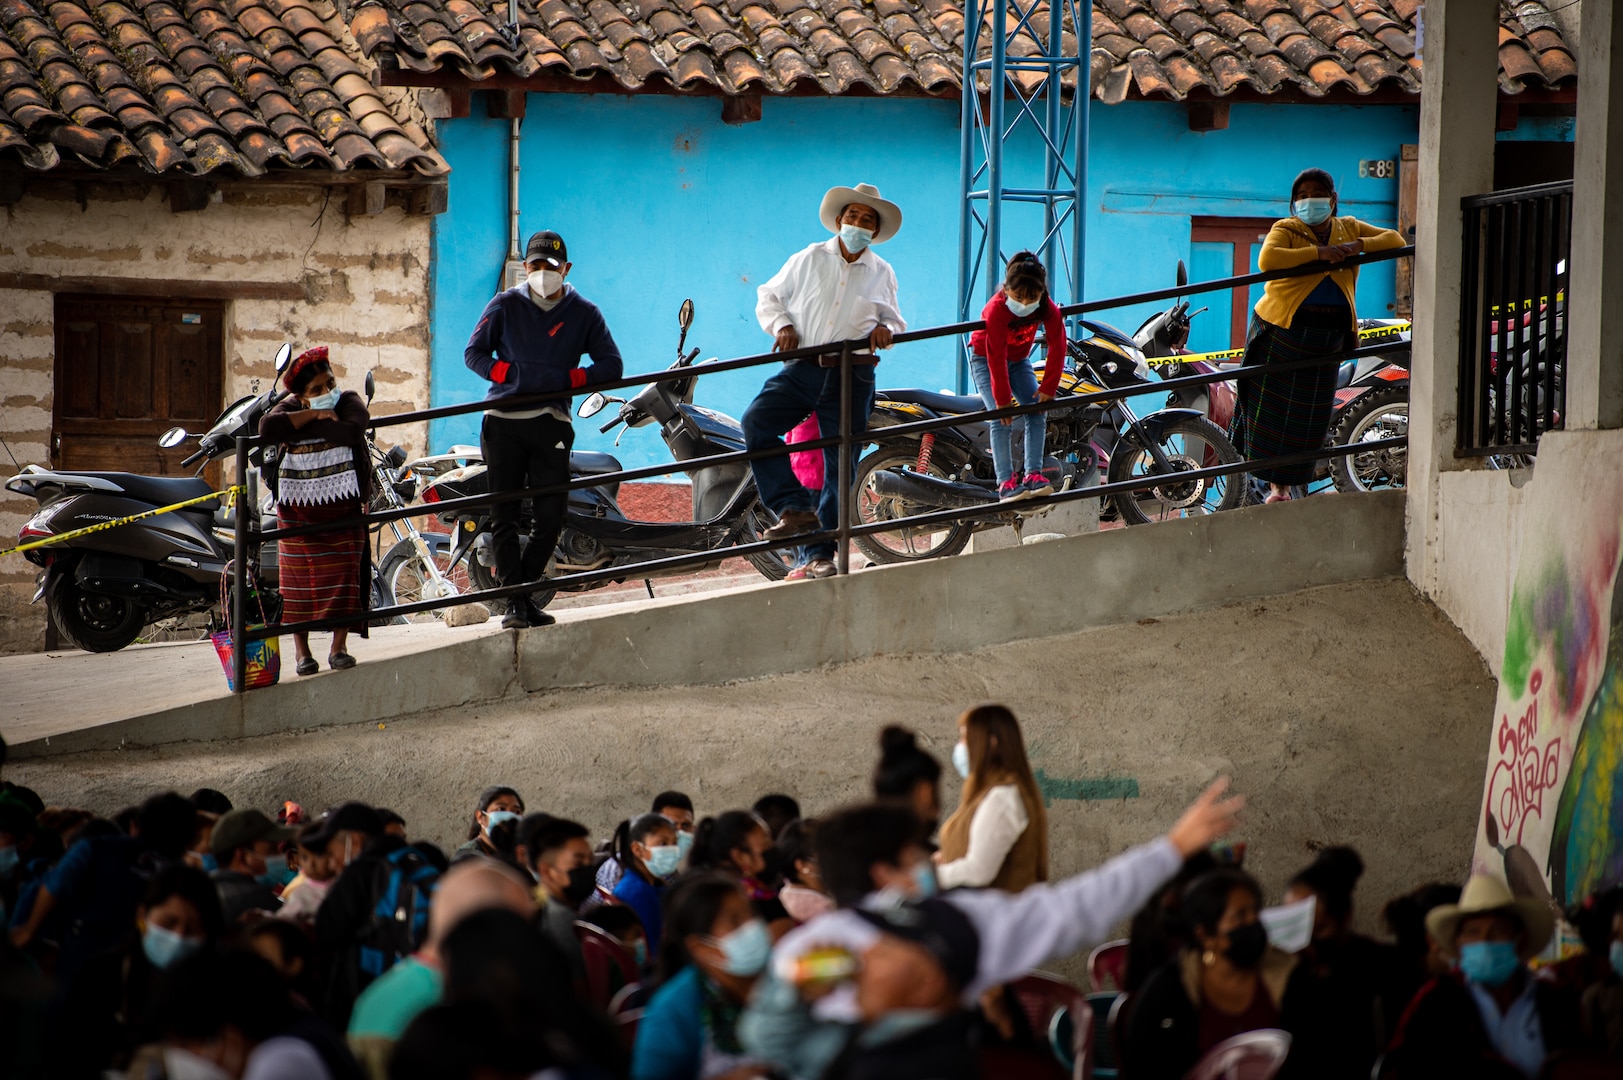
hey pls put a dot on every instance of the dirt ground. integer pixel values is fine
(1351, 714)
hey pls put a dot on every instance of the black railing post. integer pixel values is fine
(842, 553)
(239, 573)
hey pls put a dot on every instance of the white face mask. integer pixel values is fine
(1017, 309)
(545, 282)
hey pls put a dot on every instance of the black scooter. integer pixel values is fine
(101, 589)
(727, 510)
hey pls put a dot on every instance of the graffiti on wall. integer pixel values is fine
(1552, 805)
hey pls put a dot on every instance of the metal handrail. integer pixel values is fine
(843, 440)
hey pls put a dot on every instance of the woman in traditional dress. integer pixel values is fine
(1288, 412)
(325, 476)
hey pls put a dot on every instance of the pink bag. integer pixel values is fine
(807, 464)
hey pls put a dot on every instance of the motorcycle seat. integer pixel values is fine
(947, 404)
(161, 490)
(591, 463)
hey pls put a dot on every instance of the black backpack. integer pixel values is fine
(402, 889)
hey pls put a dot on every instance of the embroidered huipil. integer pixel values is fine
(828, 299)
(316, 472)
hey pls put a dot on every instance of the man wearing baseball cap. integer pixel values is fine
(529, 341)
(836, 290)
(244, 843)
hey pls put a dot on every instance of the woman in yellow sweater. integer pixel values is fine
(1289, 412)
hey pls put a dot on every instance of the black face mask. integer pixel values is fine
(1246, 945)
(582, 880)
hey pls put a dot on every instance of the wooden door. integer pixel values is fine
(1214, 242)
(128, 369)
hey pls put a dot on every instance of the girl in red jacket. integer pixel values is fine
(1002, 370)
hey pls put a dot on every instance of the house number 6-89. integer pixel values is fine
(1377, 170)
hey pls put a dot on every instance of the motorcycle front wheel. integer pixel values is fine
(1379, 414)
(93, 622)
(408, 581)
(909, 543)
(1190, 443)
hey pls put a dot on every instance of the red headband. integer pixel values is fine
(301, 363)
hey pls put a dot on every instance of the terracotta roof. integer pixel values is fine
(194, 87)
(1144, 48)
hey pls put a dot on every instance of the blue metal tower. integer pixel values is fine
(1025, 90)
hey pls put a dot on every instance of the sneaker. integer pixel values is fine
(1036, 485)
(1011, 490)
(518, 616)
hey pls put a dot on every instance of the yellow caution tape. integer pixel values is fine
(229, 493)
(1372, 334)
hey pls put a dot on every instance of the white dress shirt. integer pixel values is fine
(828, 299)
(998, 822)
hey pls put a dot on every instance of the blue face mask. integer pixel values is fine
(663, 861)
(277, 872)
(165, 947)
(327, 400)
(684, 843)
(1312, 211)
(746, 950)
(1017, 309)
(494, 818)
(1616, 956)
(855, 239)
(924, 881)
(960, 759)
(639, 952)
(8, 861)
(209, 862)
(1489, 963)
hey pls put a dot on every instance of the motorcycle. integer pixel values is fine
(1371, 398)
(727, 510)
(953, 468)
(102, 589)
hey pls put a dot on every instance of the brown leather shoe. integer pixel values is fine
(792, 523)
(821, 568)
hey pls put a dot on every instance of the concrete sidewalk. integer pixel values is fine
(162, 694)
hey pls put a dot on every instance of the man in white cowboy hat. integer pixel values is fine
(1492, 1017)
(836, 290)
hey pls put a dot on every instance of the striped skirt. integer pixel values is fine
(1288, 412)
(323, 575)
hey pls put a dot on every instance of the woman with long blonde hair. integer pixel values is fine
(998, 836)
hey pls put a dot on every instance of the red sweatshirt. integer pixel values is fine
(1007, 339)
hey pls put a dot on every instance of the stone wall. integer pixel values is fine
(363, 281)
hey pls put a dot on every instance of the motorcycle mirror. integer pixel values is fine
(173, 438)
(371, 387)
(684, 317)
(1183, 274)
(593, 405)
(283, 355)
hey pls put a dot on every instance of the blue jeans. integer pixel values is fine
(801, 388)
(1023, 381)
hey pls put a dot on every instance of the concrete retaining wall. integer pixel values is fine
(948, 606)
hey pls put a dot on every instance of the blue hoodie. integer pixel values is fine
(523, 350)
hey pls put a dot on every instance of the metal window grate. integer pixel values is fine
(1513, 334)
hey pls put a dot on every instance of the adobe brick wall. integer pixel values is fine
(365, 283)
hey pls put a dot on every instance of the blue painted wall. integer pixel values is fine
(658, 200)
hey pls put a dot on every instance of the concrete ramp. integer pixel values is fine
(64, 703)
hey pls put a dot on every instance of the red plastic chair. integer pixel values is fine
(1058, 1011)
(610, 967)
(1107, 966)
(1250, 1055)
